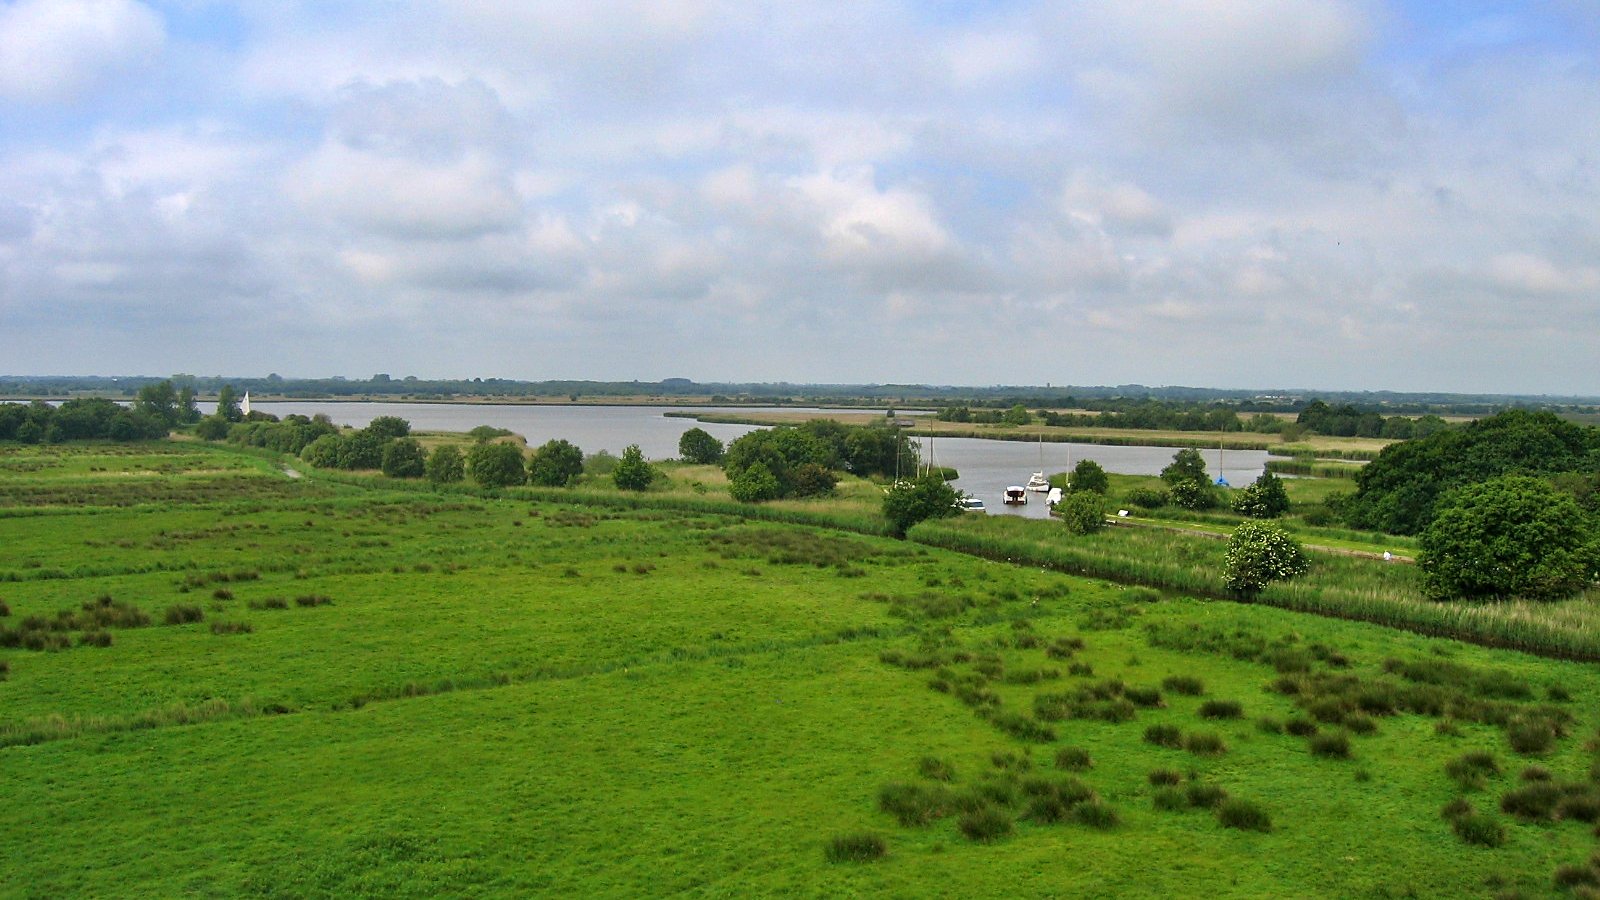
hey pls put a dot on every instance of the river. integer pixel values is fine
(986, 467)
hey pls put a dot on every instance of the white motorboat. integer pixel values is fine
(1052, 498)
(1016, 495)
(970, 504)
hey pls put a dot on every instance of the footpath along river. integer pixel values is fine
(986, 467)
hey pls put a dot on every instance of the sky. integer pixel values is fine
(1262, 193)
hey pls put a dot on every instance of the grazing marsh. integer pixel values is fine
(354, 685)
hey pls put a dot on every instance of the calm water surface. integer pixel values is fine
(986, 467)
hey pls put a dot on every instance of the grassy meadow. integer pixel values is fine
(217, 679)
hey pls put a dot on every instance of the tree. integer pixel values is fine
(1017, 415)
(1398, 491)
(495, 465)
(362, 450)
(632, 472)
(1083, 512)
(212, 428)
(160, 401)
(555, 464)
(403, 458)
(1193, 494)
(699, 447)
(1513, 536)
(389, 427)
(909, 502)
(1087, 475)
(445, 465)
(1265, 499)
(812, 480)
(1186, 465)
(754, 484)
(1259, 554)
(228, 404)
(324, 452)
(188, 411)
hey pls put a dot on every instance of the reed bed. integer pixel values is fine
(1338, 587)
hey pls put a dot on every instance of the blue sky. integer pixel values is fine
(1352, 195)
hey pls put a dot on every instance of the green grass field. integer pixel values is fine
(368, 688)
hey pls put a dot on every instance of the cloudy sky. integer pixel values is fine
(1355, 195)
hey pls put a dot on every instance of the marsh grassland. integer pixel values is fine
(216, 679)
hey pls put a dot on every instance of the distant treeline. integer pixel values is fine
(1118, 399)
(1345, 420)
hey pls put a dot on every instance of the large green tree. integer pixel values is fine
(908, 502)
(1512, 536)
(404, 458)
(1267, 498)
(228, 404)
(160, 401)
(1397, 492)
(633, 473)
(1089, 476)
(495, 465)
(445, 465)
(699, 447)
(555, 464)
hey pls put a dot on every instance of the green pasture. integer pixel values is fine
(368, 688)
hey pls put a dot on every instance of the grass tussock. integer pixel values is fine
(1331, 745)
(313, 600)
(1221, 709)
(936, 769)
(1188, 685)
(1073, 759)
(863, 846)
(1204, 743)
(182, 614)
(985, 824)
(267, 603)
(231, 628)
(915, 804)
(1243, 814)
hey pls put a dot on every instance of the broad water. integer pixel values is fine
(986, 467)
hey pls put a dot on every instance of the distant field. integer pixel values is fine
(362, 687)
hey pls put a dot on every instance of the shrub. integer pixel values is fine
(1204, 743)
(1164, 736)
(496, 465)
(909, 502)
(1470, 769)
(860, 847)
(1147, 498)
(1580, 807)
(1221, 709)
(1259, 554)
(1331, 744)
(1243, 814)
(914, 804)
(1073, 759)
(1300, 727)
(1147, 697)
(936, 768)
(1357, 723)
(1187, 685)
(445, 466)
(1204, 796)
(1478, 829)
(1168, 799)
(1571, 875)
(984, 824)
(1266, 499)
(1095, 814)
(1529, 735)
(1082, 512)
(1159, 777)
(1536, 800)
(182, 613)
(403, 458)
(633, 473)
(555, 464)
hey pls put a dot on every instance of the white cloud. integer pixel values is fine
(54, 51)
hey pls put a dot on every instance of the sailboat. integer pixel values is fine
(1037, 481)
(1222, 480)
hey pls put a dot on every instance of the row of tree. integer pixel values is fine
(1317, 417)
(806, 460)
